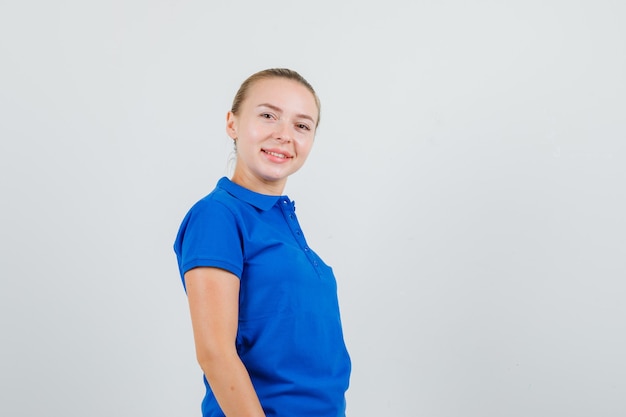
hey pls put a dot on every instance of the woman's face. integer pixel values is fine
(274, 130)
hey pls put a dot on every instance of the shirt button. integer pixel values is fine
(306, 249)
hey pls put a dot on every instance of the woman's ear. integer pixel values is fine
(231, 129)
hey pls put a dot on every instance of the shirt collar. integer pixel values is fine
(260, 201)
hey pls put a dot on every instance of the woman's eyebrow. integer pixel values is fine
(279, 110)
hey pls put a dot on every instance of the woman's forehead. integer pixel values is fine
(282, 92)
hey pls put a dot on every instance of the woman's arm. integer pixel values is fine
(213, 295)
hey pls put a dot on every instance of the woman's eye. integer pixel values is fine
(303, 127)
(266, 115)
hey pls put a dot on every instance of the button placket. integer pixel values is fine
(294, 225)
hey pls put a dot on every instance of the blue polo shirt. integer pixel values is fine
(289, 336)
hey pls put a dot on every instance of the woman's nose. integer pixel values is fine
(284, 132)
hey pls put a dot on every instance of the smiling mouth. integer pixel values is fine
(277, 155)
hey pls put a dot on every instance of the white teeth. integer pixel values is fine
(278, 155)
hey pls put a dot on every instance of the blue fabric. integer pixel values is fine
(289, 336)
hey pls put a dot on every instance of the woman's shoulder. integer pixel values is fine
(217, 210)
(217, 200)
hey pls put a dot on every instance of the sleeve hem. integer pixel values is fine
(195, 263)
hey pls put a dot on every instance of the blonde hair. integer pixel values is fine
(273, 73)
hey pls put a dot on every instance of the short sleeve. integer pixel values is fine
(209, 236)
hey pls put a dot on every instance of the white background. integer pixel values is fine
(467, 185)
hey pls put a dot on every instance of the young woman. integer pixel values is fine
(263, 304)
